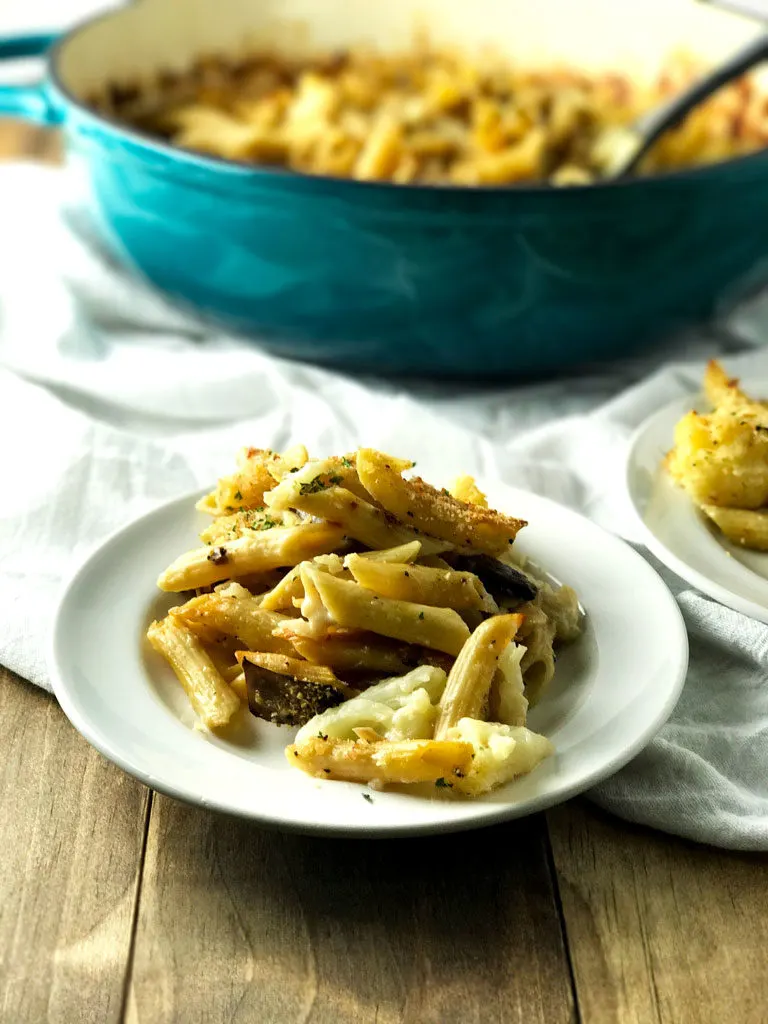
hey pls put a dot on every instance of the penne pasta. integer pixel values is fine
(385, 761)
(443, 588)
(353, 606)
(282, 546)
(402, 553)
(289, 617)
(212, 698)
(434, 512)
(237, 615)
(469, 681)
(290, 588)
(322, 496)
(746, 527)
(465, 489)
(366, 653)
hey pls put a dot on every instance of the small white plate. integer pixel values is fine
(678, 533)
(613, 689)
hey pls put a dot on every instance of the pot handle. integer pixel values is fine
(29, 101)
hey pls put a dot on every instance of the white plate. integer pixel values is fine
(612, 691)
(681, 536)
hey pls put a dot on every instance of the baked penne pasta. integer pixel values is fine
(351, 605)
(320, 576)
(384, 761)
(434, 512)
(443, 588)
(282, 546)
(746, 527)
(469, 681)
(233, 612)
(210, 695)
(359, 518)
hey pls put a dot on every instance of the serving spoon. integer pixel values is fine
(620, 149)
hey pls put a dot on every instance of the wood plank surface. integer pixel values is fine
(72, 828)
(660, 929)
(238, 925)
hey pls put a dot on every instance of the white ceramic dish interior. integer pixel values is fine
(677, 533)
(150, 35)
(613, 688)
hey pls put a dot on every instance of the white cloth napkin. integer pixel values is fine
(111, 401)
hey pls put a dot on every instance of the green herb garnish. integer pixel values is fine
(442, 784)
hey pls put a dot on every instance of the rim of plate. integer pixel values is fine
(484, 816)
(687, 572)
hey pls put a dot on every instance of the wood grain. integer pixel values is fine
(237, 924)
(72, 828)
(660, 929)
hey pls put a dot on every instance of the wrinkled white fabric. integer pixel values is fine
(111, 401)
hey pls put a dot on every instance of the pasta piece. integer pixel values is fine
(507, 702)
(288, 462)
(385, 761)
(435, 562)
(239, 524)
(465, 489)
(254, 553)
(537, 633)
(213, 700)
(283, 594)
(256, 473)
(402, 553)
(239, 686)
(435, 512)
(353, 606)
(319, 496)
(501, 753)
(561, 606)
(368, 653)
(296, 668)
(469, 681)
(746, 527)
(233, 614)
(290, 587)
(444, 588)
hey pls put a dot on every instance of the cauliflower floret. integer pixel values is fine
(398, 708)
(501, 752)
(508, 703)
(415, 720)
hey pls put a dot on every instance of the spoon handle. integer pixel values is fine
(649, 127)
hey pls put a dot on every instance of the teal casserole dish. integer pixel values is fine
(499, 282)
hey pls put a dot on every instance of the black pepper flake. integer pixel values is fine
(409, 513)
(218, 556)
(406, 573)
(327, 771)
(421, 615)
(442, 784)
(238, 496)
(368, 797)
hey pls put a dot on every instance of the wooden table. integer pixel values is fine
(118, 904)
